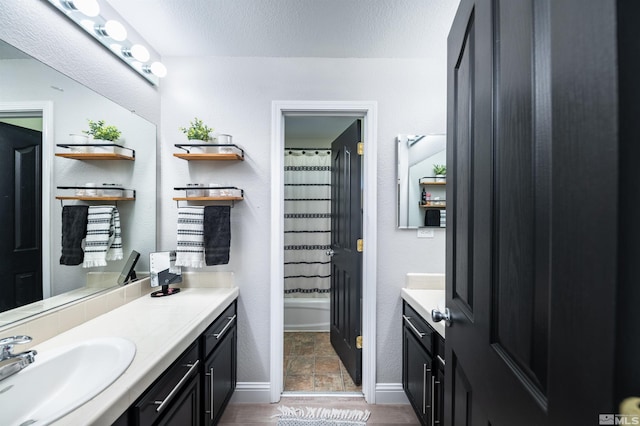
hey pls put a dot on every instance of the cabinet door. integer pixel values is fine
(220, 377)
(186, 409)
(417, 376)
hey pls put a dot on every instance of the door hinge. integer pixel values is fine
(360, 148)
(359, 342)
(359, 245)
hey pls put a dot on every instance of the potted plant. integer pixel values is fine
(197, 131)
(98, 130)
(440, 171)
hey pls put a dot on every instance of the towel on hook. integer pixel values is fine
(190, 250)
(217, 234)
(74, 229)
(104, 238)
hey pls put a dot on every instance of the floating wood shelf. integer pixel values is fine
(95, 156)
(117, 154)
(236, 153)
(208, 198)
(432, 183)
(85, 198)
(210, 157)
(434, 206)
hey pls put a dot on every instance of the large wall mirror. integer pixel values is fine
(43, 101)
(421, 186)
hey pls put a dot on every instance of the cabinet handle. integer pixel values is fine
(425, 371)
(440, 360)
(437, 382)
(210, 374)
(224, 330)
(161, 404)
(413, 327)
(433, 400)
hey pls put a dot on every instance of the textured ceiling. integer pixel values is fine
(290, 28)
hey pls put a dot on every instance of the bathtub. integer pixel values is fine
(306, 314)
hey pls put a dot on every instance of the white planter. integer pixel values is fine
(441, 178)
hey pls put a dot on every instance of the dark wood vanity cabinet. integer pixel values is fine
(422, 367)
(196, 388)
(220, 367)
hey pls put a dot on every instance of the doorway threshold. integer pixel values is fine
(293, 394)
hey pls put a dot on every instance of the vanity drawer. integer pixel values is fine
(419, 327)
(220, 327)
(160, 397)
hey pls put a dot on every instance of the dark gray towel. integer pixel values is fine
(74, 230)
(217, 234)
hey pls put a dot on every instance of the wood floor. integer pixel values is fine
(263, 414)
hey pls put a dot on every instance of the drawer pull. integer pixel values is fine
(161, 404)
(224, 330)
(413, 327)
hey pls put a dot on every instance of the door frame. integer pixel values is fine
(46, 109)
(368, 112)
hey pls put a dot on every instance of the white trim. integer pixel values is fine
(251, 393)
(369, 112)
(46, 108)
(390, 393)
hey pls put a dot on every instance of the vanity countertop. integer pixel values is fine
(423, 301)
(161, 328)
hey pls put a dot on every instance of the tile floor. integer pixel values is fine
(263, 414)
(311, 365)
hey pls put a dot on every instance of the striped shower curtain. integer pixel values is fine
(307, 222)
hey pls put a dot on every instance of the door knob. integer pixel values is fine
(438, 316)
(330, 252)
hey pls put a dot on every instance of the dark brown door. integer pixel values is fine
(346, 262)
(20, 216)
(535, 230)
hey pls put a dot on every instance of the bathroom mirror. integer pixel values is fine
(417, 156)
(35, 96)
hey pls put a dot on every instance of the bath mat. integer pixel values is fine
(292, 416)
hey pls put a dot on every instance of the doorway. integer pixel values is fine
(322, 309)
(20, 114)
(367, 112)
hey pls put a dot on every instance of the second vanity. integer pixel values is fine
(423, 347)
(167, 332)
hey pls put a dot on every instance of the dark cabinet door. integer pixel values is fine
(220, 377)
(186, 409)
(417, 376)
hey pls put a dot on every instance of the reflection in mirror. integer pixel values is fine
(47, 107)
(417, 156)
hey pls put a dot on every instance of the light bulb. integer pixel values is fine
(140, 53)
(115, 30)
(87, 7)
(158, 69)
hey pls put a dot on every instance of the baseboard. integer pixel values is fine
(260, 392)
(390, 393)
(252, 393)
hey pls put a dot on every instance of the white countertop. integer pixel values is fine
(423, 301)
(161, 328)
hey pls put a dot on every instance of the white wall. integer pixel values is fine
(40, 30)
(234, 95)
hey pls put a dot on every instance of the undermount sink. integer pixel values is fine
(61, 380)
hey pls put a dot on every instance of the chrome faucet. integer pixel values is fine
(11, 363)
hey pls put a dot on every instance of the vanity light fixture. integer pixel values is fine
(113, 29)
(104, 23)
(89, 8)
(137, 52)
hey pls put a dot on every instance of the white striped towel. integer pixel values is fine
(104, 238)
(190, 251)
